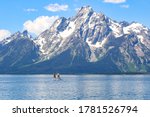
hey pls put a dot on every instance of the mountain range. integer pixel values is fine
(87, 43)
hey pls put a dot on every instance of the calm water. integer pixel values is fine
(75, 87)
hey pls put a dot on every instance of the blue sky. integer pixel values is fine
(17, 15)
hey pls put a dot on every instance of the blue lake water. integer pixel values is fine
(75, 87)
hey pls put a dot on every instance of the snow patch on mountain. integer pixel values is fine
(97, 44)
(116, 28)
(144, 41)
(134, 27)
(93, 57)
(69, 30)
(41, 42)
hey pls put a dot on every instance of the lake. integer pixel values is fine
(75, 87)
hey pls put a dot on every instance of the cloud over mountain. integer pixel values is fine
(114, 1)
(40, 24)
(4, 34)
(30, 10)
(124, 6)
(56, 7)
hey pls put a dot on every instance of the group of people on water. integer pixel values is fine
(56, 75)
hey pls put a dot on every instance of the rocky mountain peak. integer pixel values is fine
(85, 11)
(26, 34)
(20, 35)
(17, 35)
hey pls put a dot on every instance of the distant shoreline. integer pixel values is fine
(77, 74)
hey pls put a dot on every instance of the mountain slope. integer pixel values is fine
(17, 51)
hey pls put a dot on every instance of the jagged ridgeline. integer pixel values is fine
(89, 42)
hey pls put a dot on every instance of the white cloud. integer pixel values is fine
(56, 7)
(114, 1)
(30, 10)
(40, 24)
(4, 34)
(124, 6)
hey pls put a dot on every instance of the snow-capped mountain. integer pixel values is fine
(17, 51)
(17, 35)
(89, 42)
